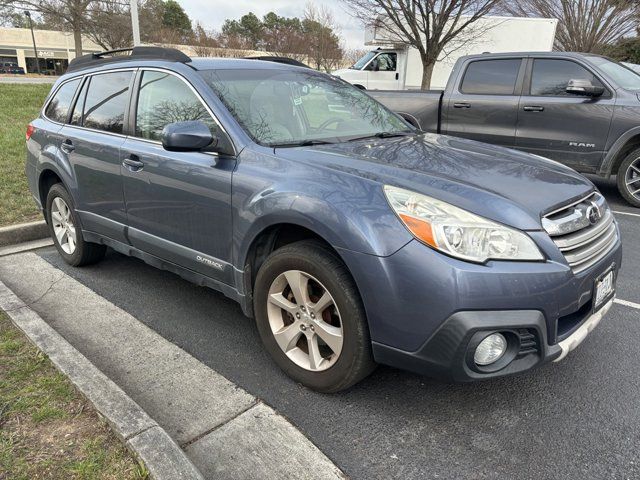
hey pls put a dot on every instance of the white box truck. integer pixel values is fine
(395, 66)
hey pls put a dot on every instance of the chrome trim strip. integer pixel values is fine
(583, 237)
(583, 255)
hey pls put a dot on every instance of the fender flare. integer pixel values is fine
(607, 165)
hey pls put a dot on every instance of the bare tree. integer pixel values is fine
(321, 35)
(68, 14)
(430, 26)
(584, 25)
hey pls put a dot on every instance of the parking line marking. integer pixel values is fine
(627, 303)
(627, 213)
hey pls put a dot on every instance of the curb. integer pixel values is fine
(23, 232)
(162, 457)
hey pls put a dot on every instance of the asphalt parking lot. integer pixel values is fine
(577, 419)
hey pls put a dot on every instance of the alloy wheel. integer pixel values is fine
(305, 320)
(63, 227)
(632, 179)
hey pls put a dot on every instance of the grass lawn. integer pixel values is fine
(19, 104)
(47, 429)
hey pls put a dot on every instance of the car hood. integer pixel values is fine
(504, 185)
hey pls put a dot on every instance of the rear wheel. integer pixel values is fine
(64, 227)
(629, 178)
(310, 317)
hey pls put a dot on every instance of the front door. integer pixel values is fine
(382, 72)
(178, 203)
(564, 127)
(485, 105)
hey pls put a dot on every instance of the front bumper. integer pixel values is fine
(425, 309)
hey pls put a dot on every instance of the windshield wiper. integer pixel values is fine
(401, 133)
(301, 143)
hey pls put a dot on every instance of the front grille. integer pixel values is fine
(584, 231)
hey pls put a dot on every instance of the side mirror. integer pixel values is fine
(191, 136)
(584, 88)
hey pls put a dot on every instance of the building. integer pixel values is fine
(55, 49)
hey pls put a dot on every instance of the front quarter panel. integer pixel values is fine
(349, 212)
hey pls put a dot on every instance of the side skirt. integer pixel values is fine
(187, 274)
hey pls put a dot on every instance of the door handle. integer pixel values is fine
(462, 105)
(67, 146)
(397, 75)
(533, 108)
(132, 163)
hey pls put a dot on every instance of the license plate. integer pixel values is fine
(605, 287)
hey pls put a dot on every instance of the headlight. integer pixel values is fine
(457, 232)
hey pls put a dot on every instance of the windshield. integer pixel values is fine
(278, 106)
(623, 76)
(360, 64)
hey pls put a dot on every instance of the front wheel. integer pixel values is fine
(629, 178)
(311, 319)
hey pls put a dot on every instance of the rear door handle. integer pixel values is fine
(132, 163)
(67, 146)
(462, 105)
(533, 108)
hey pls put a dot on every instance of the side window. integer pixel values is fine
(385, 62)
(550, 77)
(164, 98)
(76, 116)
(491, 77)
(106, 101)
(58, 107)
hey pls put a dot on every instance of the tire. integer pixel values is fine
(324, 272)
(630, 170)
(67, 220)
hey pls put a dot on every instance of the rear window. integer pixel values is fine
(106, 101)
(58, 108)
(491, 77)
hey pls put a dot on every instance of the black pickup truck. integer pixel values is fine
(582, 110)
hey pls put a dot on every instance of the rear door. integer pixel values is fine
(568, 128)
(178, 203)
(92, 142)
(383, 72)
(484, 102)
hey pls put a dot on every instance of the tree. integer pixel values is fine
(321, 38)
(175, 18)
(247, 31)
(585, 25)
(625, 50)
(430, 26)
(67, 14)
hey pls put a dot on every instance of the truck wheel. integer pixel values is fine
(64, 227)
(629, 178)
(311, 319)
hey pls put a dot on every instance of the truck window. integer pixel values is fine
(106, 101)
(491, 77)
(550, 77)
(164, 98)
(58, 107)
(385, 62)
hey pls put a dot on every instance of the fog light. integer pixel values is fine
(490, 350)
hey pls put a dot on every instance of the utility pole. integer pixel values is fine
(33, 37)
(135, 25)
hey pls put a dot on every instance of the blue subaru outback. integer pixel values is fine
(352, 238)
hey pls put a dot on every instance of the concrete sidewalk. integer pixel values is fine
(225, 432)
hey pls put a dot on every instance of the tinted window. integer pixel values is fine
(163, 99)
(58, 108)
(76, 116)
(550, 77)
(106, 101)
(491, 77)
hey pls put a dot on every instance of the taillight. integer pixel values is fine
(30, 130)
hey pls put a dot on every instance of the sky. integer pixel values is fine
(213, 13)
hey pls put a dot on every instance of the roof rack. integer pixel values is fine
(276, 59)
(137, 53)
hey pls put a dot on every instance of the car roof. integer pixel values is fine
(489, 55)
